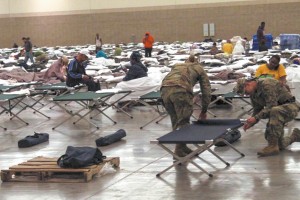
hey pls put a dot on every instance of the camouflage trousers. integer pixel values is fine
(279, 115)
(179, 105)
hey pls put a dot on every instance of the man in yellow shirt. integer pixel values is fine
(227, 47)
(272, 69)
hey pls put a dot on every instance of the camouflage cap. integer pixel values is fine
(240, 86)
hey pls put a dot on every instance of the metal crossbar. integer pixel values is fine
(83, 99)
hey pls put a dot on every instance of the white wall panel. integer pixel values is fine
(4, 7)
(40, 6)
(99, 4)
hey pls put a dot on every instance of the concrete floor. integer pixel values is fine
(276, 177)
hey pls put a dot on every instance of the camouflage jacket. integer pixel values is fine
(186, 76)
(269, 93)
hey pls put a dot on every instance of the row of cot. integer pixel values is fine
(16, 103)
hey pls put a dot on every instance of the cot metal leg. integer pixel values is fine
(141, 127)
(82, 116)
(226, 163)
(13, 115)
(180, 160)
(196, 165)
(100, 111)
(84, 105)
(195, 154)
(103, 113)
(221, 99)
(46, 102)
(211, 113)
(58, 93)
(174, 164)
(39, 100)
(230, 145)
(56, 105)
(113, 104)
(162, 117)
(123, 111)
(32, 106)
(71, 115)
(52, 107)
(247, 102)
(212, 152)
(10, 107)
(16, 116)
(107, 105)
(4, 128)
(213, 102)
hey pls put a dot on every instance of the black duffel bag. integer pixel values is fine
(230, 137)
(77, 157)
(32, 140)
(109, 139)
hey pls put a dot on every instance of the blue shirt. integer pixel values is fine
(101, 53)
(75, 69)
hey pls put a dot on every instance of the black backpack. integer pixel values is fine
(77, 157)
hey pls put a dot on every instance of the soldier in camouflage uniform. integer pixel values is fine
(177, 95)
(271, 100)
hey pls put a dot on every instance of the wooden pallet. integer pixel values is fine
(43, 169)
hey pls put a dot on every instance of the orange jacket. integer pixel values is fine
(148, 41)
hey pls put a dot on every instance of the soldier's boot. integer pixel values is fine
(286, 141)
(179, 150)
(271, 149)
(186, 149)
(295, 136)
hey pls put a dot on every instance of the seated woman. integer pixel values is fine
(136, 69)
(273, 69)
(57, 70)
